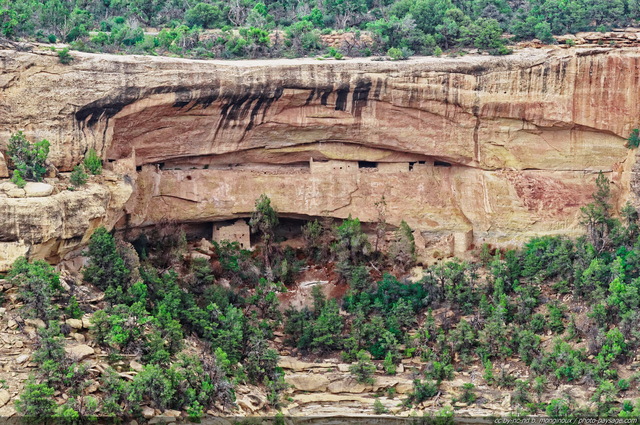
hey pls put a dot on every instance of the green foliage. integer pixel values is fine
(363, 369)
(389, 365)
(73, 309)
(378, 408)
(633, 141)
(424, 26)
(203, 383)
(205, 15)
(264, 220)
(38, 284)
(320, 330)
(439, 371)
(403, 249)
(78, 177)
(64, 56)
(558, 408)
(311, 233)
(398, 54)
(237, 264)
(121, 327)
(422, 390)
(106, 269)
(156, 385)
(16, 178)
(556, 318)
(468, 395)
(261, 361)
(92, 162)
(596, 216)
(265, 300)
(36, 403)
(351, 248)
(27, 158)
(327, 328)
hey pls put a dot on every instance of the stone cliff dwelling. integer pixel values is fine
(239, 232)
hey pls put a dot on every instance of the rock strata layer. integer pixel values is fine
(466, 150)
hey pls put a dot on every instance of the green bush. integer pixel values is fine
(64, 56)
(438, 371)
(78, 177)
(36, 403)
(363, 369)
(27, 158)
(422, 390)
(261, 361)
(633, 141)
(16, 178)
(155, 385)
(92, 162)
(50, 356)
(558, 408)
(403, 249)
(468, 393)
(38, 284)
(397, 54)
(378, 408)
(123, 327)
(73, 309)
(106, 269)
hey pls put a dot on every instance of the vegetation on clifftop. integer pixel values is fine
(250, 28)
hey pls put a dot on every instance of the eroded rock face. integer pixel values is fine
(466, 150)
(4, 171)
(49, 227)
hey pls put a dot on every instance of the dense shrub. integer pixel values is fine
(28, 159)
(363, 369)
(78, 176)
(634, 139)
(92, 162)
(38, 284)
(36, 403)
(106, 269)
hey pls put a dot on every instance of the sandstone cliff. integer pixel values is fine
(465, 150)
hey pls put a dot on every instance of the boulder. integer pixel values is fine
(148, 412)
(79, 352)
(74, 323)
(15, 192)
(195, 255)
(86, 321)
(247, 405)
(36, 323)
(134, 365)
(206, 246)
(38, 190)
(79, 337)
(4, 397)
(22, 358)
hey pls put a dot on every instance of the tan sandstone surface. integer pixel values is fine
(466, 150)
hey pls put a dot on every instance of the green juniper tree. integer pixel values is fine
(264, 220)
